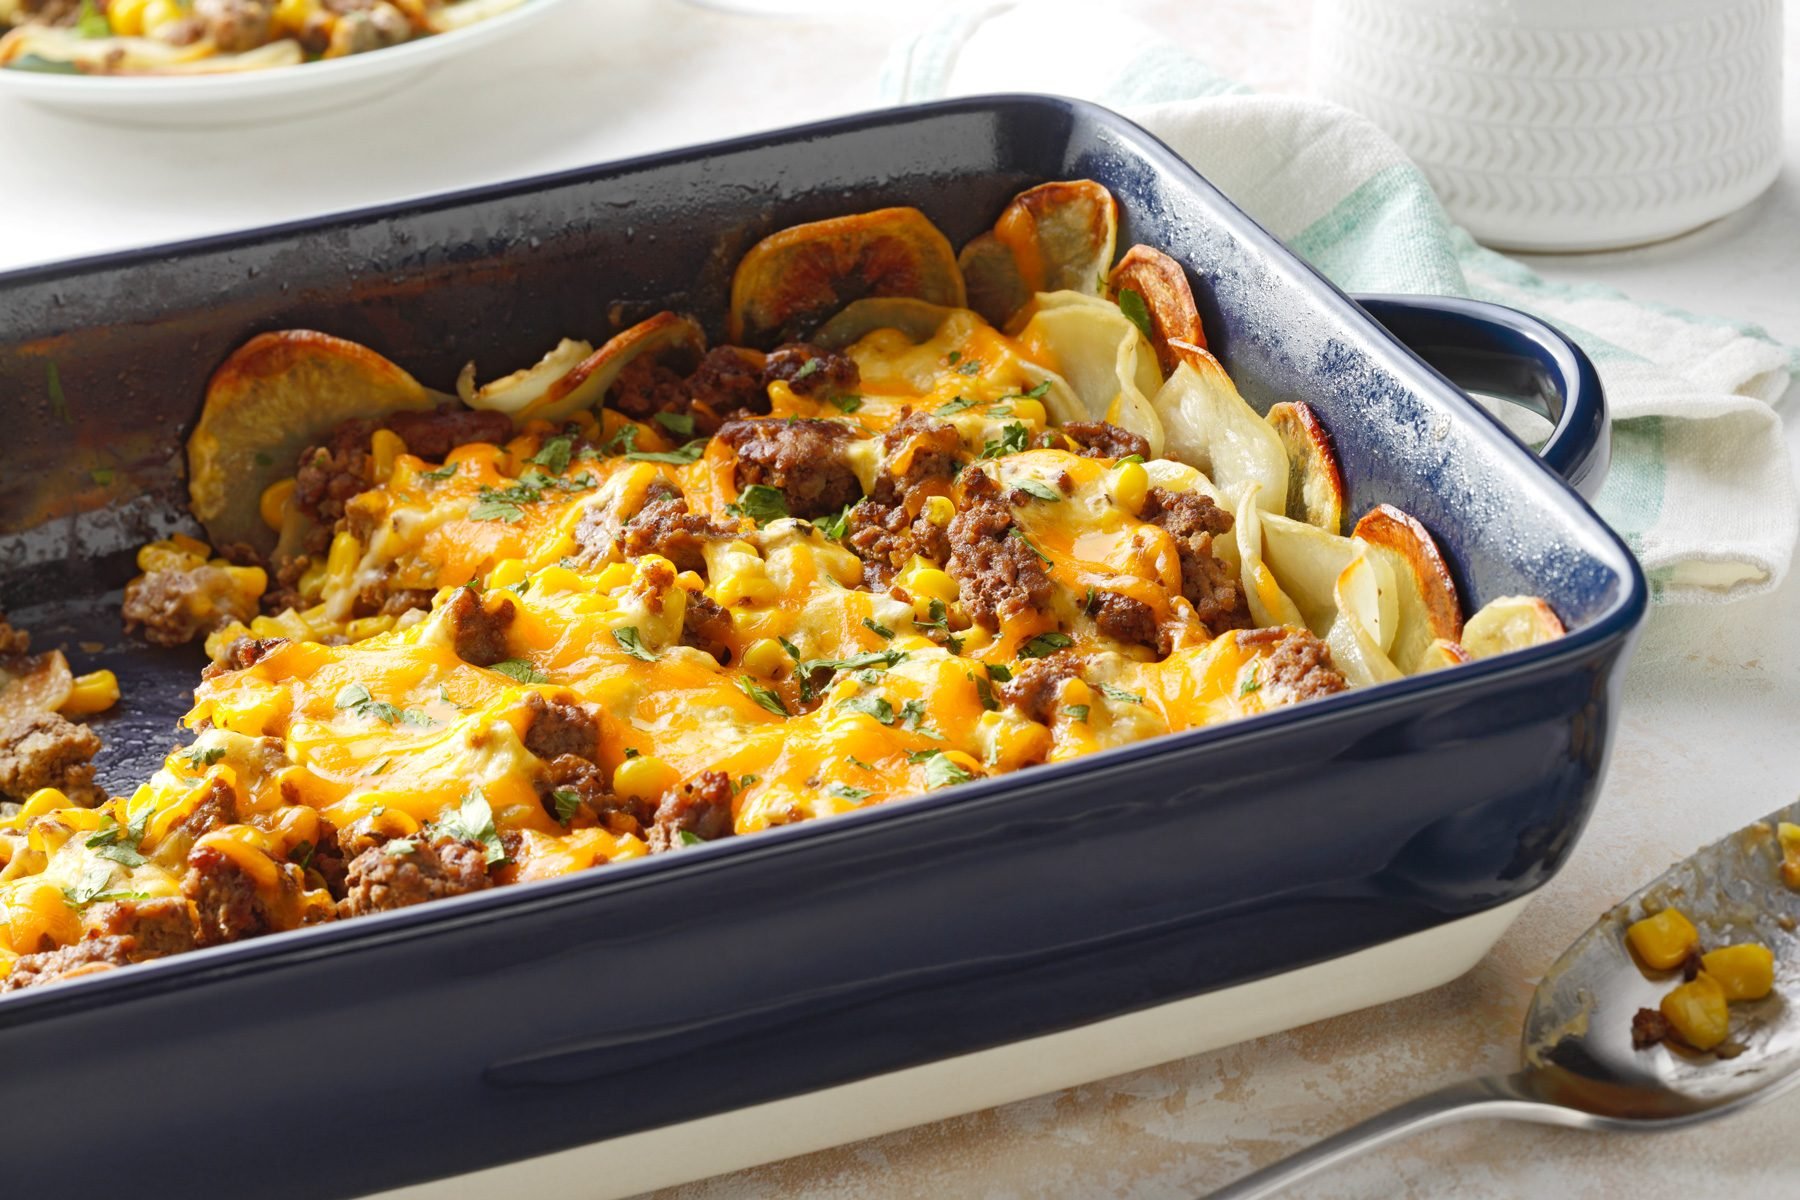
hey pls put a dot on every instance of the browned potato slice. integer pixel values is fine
(572, 378)
(1162, 286)
(917, 319)
(1427, 603)
(792, 280)
(276, 395)
(1315, 485)
(1053, 237)
(32, 684)
(1510, 623)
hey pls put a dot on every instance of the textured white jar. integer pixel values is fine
(1567, 124)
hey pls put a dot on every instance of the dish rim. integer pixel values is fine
(1616, 621)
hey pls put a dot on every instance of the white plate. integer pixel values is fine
(259, 97)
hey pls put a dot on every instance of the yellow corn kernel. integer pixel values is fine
(290, 15)
(250, 582)
(1027, 409)
(1663, 941)
(506, 572)
(765, 657)
(929, 584)
(169, 556)
(1130, 484)
(613, 576)
(37, 912)
(340, 563)
(368, 627)
(193, 546)
(1745, 972)
(1697, 1011)
(645, 777)
(556, 578)
(1788, 834)
(160, 12)
(385, 447)
(691, 581)
(94, 692)
(1077, 692)
(220, 639)
(746, 588)
(939, 511)
(274, 503)
(44, 800)
(126, 17)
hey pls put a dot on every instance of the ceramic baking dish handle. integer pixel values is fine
(1504, 353)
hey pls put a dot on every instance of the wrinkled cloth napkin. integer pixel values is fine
(1700, 486)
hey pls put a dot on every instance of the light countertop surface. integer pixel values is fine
(1710, 735)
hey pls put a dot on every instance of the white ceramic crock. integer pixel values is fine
(1568, 124)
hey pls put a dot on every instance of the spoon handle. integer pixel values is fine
(1487, 1096)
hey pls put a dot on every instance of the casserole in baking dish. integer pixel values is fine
(809, 956)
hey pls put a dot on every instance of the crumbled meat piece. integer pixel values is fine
(433, 435)
(705, 625)
(794, 363)
(701, 807)
(1103, 439)
(404, 600)
(1299, 668)
(241, 554)
(728, 382)
(89, 956)
(805, 459)
(328, 475)
(323, 859)
(1212, 587)
(372, 27)
(593, 796)
(646, 387)
(665, 526)
(1000, 575)
(150, 928)
(916, 450)
(1125, 619)
(408, 871)
(1033, 690)
(227, 903)
(175, 607)
(237, 25)
(885, 537)
(1649, 1027)
(183, 31)
(216, 809)
(46, 750)
(557, 727)
(242, 654)
(12, 641)
(478, 627)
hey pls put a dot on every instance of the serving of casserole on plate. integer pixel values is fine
(1111, 607)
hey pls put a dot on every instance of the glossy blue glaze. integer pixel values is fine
(438, 1039)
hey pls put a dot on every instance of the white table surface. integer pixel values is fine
(1710, 736)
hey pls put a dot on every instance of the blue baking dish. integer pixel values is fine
(485, 1029)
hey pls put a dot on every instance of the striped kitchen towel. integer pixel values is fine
(1700, 485)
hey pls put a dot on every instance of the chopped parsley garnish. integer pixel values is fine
(985, 690)
(102, 476)
(442, 473)
(302, 855)
(263, 460)
(1132, 458)
(503, 504)
(553, 455)
(859, 762)
(1131, 303)
(418, 719)
(1012, 440)
(874, 706)
(1252, 684)
(474, 822)
(760, 502)
(93, 881)
(1077, 712)
(879, 630)
(763, 696)
(400, 847)
(999, 672)
(793, 650)
(1120, 694)
(845, 791)
(567, 802)
(90, 22)
(444, 695)
(943, 771)
(200, 758)
(688, 453)
(954, 357)
(690, 838)
(848, 402)
(871, 658)
(745, 781)
(1040, 489)
(629, 641)
(952, 407)
(355, 699)
(520, 670)
(1036, 393)
(972, 367)
(1045, 644)
(120, 842)
(836, 527)
(679, 424)
(811, 367)
(912, 716)
(1015, 531)
(624, 441)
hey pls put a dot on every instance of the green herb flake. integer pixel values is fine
(474, 822)
(985, 690)
(1132, 458)
(847, 402)
(400, 847)
(999, 672)
(1045, 644)
(689, 453)
(745, 781)
(1013, 439)
(951, 407)
(42, 65)
(629, 641)
(93, 881)
(912, 715)
(1251, 684)
(943, 771)
(554, 454)
(1120, 694)
(811, 367)
(955, 357)
(846, 792)
(442, 473)
(202, 757)
(679, 424)
(792, 650)
(972, 367)
(1030, 545)
(879, 630)
(102, 476)
(874, 706)
(59, 403)
(690, 838)
(567, 801)
(520, 670)
(355, 699)
(1131, 303)
(490, 509)
(90, 22)
(1036, 393)
(1040, 489)
(1076, 712)
(761, 503)
(836, 527)
(763, 696)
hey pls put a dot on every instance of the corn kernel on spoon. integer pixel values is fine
(1580, 1067)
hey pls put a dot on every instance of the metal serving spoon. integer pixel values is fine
(1580, 1069)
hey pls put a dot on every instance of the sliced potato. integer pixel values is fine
(794, 279)
(33, 683)
(1427, 607)
(1510, 623)
(1051, 237)
(1106, 362)
(277, 394)
(1315, 485)
(1355, 634)
(1269, 605)
(1441, 654)
(919, 320)
(1206, 423)
(1161, 285)
(448, 18)
(556, 388)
